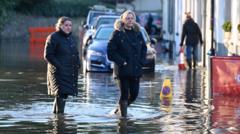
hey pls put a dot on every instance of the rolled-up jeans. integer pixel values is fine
(192, 51)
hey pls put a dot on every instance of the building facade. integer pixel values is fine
(224, 10)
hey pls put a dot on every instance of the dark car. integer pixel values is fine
(95, 51)
(156, 28)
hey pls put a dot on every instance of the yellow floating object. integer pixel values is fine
(167, 91)
(166, 104)
(166, 95)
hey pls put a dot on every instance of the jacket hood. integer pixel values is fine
(118, 25)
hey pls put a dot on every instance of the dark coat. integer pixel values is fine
(122, 49)
(62, 56)
(192, 33)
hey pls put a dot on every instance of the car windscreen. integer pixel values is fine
(105, 21)
(93, 17)
(104, 33)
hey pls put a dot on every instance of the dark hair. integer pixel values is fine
(188, 15)
(60, 21)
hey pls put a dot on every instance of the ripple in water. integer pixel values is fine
(80, 112)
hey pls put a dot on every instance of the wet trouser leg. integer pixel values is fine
(134, 89)
(59, 104)
(195, 54)
(129, 87)
(189, 55)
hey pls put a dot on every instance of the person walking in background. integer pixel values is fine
(127, 49)
(63, 60)
(193, 35)
(149, 24)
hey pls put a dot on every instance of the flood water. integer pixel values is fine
(25, 106)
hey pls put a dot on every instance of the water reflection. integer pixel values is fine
(166, 104)
(122, 126)
(99, 88)
(191, 91)
(63, 125)
(226, 114)
(25, 106)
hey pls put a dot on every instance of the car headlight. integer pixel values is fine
(94, 53)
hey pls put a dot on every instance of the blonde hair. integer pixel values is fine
(61, 21)
(126, 13)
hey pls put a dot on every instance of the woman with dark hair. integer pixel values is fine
(127, 49)
(63, 60)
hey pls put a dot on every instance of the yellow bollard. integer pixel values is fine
(166, 89)
(166, 95)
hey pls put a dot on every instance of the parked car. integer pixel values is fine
(93, 14)
(151, 52)
(105, 19)
(102, 19)
(156, 29)
(95, 51)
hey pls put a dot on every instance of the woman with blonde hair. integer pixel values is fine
(127, 49)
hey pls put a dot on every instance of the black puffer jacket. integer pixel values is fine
(192, 33)
(122, 48)
(63, 64)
